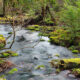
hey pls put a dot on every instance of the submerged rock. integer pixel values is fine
(2, 42)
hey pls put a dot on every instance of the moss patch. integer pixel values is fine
(40, 67)
(61, 36)
(72, 64)
(34, 27)
(2, 41)
(76, 72)
(12, 71)
(8, 54)
(66, 63)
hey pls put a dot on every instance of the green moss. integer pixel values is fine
(1, 35)
(57, 55)
(48, 21)
(58, 70)
(12, 71)
(42, 34)
(8, 54)
(2, 77)
(1, 61)
(61, 36)
(2, 45)
(42, 40)
(75, 55)
(8, 42)
(49, 41)
(10, 33)
(2, 41)
(40, 67)
(5, 54)
(66, 63)
(76, 72)
(14, 54)
(34, 27)
(75, 51)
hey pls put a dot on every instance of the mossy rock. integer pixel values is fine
(10, 33)
(66, 63)
(75, 51)
(43, 34)
(42, 40)
(8, 54)
(40, 67)
(76, 72)
(34, 27)
(12, 71)
(2, 42)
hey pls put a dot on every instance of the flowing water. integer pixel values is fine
(29, 58)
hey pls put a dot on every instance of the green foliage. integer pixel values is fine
(70, 16)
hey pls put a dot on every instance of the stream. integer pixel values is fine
(29, 58)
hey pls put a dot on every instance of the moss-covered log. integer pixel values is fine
(2, 41)
(66, 63)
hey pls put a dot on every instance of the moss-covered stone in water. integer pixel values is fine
(8, 54)
(76, 72)
(75, 51)
(10, 33)
(58, 70)
(66, 63)
(57, 55)
(40, 67)
(2, 41)
(2, 45)
(12, 71)
(42, 40)
(34, 27)
(43, 34)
